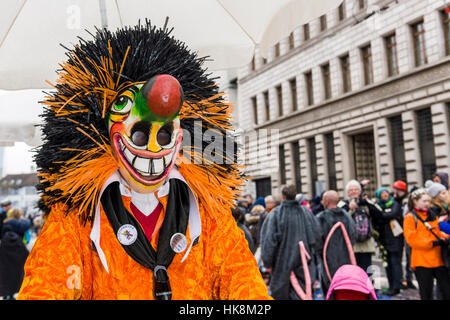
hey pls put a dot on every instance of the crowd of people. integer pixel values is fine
(17, 231)
(305, 245)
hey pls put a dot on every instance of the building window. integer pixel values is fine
(277, 50)
(309, 88)
(291, 41)
(341, 11)
(313, 164)
(426, 143)
(282, 163)
(326, 81)
(263, 187)
(323, 22)
(255, 110)
(264, 60)
(266, 104)
(296, 162)
(366, 54)
(280, 99)
(446, 25)
(293, 87)
(391, 55)
(362, 4)
(418, 33)
(331, 161)
(346, 76)
(306, 34)
(398, 148)
(253, 64)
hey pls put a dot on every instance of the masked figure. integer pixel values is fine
(137, 203)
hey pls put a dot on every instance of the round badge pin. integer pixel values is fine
(127, 234)
(178, 242)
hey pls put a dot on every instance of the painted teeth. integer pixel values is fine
(167, 159)
(122, 146)
(157, 166)
(142, 165)
(128, 155)
(145, 166)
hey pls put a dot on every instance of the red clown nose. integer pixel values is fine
(163, 95)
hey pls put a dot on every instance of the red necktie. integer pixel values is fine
(147, 223)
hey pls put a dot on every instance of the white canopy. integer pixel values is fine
(225, 30)
(31, 32)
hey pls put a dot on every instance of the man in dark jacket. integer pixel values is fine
(336, 251)
(391, 237)
(401, 196)
(283, 229)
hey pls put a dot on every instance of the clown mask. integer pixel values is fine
(145, 131)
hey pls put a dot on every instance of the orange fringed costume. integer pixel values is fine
(112, 153)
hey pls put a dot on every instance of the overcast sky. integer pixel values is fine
(18, 159)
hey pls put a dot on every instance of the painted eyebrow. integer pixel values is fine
(133, 88)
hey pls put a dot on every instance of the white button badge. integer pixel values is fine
(127, 234)
(178, 242)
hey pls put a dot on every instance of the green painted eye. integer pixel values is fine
(122, 104)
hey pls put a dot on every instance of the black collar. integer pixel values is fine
(175, 221)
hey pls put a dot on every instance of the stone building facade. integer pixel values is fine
(362, 92)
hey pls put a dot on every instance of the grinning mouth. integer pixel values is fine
(145, 166)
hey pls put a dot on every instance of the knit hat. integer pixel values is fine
(300, 197)
(435, 189)
(384, 203)
(379, 191)
(260, 201)
(428, 184)
(400, 185)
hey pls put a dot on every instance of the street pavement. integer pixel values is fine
(381, 283)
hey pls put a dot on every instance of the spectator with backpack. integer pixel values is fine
(428, 243)
(361, 210)
(388, 225)
(335, 253)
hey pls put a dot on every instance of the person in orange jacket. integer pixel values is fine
(426, 249)
(130, 212)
